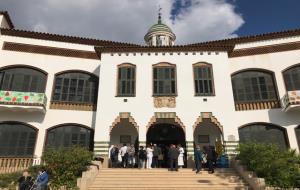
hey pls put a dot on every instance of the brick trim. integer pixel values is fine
(46, 50)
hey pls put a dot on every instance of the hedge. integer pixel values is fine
(280, 168)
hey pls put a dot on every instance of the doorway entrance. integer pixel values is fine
(163, 135)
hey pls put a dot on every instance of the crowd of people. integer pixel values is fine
(158, 156)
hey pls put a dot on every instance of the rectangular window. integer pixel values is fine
(164, 81)
(126, 81)
(203, 81)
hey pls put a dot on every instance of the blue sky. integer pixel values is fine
(128, 20)
(263, 16)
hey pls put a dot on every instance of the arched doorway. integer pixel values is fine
(207, 133)
(207, 129)
(165, 133)
(124, 130)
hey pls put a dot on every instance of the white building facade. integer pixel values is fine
(57, 91)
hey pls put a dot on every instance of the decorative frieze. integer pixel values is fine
(160, 102)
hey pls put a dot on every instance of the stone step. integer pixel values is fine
(168, 186)
(163, 188)
(162, 179)
(178, 178)
(168, 182)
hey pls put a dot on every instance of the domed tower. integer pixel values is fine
(160, 34)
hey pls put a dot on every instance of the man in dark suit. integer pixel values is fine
(198, 159)
(210, 158)
(173, 156)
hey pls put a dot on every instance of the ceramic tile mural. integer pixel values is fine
(22, 97)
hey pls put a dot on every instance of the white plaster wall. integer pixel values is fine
(275, 62)
(47, 43)
(3, 22)
(141, 107)
(268, 42)
(50, 64)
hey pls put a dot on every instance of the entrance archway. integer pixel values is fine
(207, 133)
(163, 133)
(166, 134)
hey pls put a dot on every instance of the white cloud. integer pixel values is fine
(126, 20)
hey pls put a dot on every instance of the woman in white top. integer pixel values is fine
(149, 151)
(181, 156)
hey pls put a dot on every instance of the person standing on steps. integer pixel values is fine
(156, 153)
(131, 156)
(124, 155)
(181, 156)
(110, 153)
(210, 159)
(149, 151)
(198, 159)
(142, 155)
(173, 156)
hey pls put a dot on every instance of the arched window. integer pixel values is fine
(264, 133)
(253, 86)
(17, 139)
(68, 135)
(292, 78)
(164, 80)
(126, 80)
(203, 76)
(22, 79)
(75, 87)
(297, 131)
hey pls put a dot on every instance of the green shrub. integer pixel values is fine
(9, 180)
(280, 168)
(65, 165)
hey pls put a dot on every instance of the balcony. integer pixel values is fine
(23, 101)
(291, 101)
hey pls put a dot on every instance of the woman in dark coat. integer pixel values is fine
(25, 181)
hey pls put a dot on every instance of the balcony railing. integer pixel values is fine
(291, 101)
(9, 165)
(243, 106)
(30, 101)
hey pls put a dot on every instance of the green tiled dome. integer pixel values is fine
(159, 27)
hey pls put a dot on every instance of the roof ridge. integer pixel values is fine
(61, 37)
(255, 37)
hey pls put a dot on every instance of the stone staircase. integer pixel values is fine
(162, 179)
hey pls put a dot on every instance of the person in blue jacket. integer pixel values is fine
(198, 158)
(42, 180)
